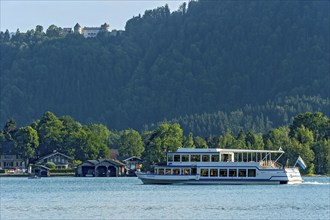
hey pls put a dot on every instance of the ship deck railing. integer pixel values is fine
(270, 164)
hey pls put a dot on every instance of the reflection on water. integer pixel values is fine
(128, 198)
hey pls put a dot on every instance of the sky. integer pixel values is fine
(26, 14)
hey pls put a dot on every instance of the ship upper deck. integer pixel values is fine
(222, 150)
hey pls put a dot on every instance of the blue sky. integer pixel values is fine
(27, 14)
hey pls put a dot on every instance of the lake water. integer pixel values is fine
(127, 198)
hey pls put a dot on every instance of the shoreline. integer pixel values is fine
(51, 175)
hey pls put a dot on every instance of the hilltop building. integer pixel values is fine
(91, 31)
(67, 30)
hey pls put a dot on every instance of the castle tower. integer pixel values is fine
(78, 29)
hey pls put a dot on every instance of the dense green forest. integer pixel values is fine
(308, 136)
(250, 64)
(255, 118)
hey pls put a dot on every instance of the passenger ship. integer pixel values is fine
(222, 166)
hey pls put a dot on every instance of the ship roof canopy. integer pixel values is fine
(219, 150)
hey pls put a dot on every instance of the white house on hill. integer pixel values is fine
(91, 31)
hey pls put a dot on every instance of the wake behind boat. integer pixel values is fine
(222, 166)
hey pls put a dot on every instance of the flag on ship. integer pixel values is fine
(301, 163)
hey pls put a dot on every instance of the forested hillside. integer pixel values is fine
(252, 118)
(209, 56)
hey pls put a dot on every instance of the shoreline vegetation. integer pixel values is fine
(307, 136)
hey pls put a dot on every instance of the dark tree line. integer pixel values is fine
(209, 56)
(255, 118)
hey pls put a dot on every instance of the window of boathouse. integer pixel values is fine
(232, 172)
(223, 172)
(213, 172)
(251, 172)
(168, 171)
(242, 172)
(176, 157)
(215, 158)
(193, 171)
(206, 158)
(185, 158)
(195, 158)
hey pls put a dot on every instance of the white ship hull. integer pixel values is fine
(284, 176)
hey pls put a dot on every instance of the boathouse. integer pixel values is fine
(101, 168)
(132, 164)
(40, 170)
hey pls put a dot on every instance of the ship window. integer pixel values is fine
(185, 158)
(195, 158)
(193, 171)
(176, 171)
(225, 157)
(232, 172)
(176, 158)
(186, 171)
(204, 172)
(251, 172)
(161, 171)
(170, 158)
(223, 172)
(242, 172)
(168, 171)
(206, 158)
(213, 172)
(215, 158)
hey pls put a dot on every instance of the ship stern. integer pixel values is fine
(293, 175)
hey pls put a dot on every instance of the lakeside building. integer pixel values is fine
(101, 168)
(61, 161)
(9, 159)
(40, 171)
(132, 164)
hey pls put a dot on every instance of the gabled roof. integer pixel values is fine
(130, 158)
(40, 166)
(117, 162)
(97, 162)
(94, 162)
(114, 162)
(53, 154)
(89, 163)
